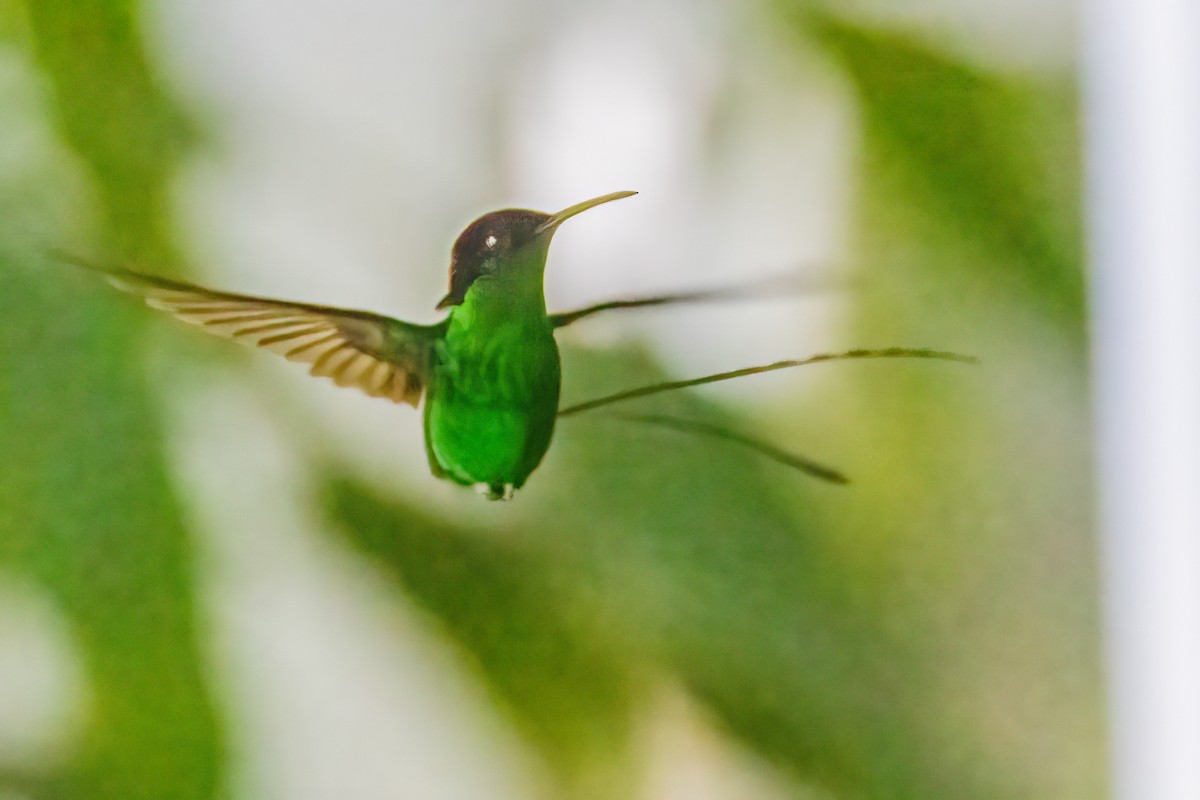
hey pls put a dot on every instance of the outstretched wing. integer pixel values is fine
(381, 356)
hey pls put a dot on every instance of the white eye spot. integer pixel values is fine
(490, 241)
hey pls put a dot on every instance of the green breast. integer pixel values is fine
(491, 404)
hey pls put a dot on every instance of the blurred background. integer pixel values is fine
(220, 578)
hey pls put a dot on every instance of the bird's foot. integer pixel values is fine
(496, 491)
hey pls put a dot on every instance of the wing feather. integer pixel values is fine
(378, 355)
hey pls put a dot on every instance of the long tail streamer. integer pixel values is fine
(793, 460)
(849, 355)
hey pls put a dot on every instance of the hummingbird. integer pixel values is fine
(488, 374)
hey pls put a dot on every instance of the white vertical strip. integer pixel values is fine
(1143, 149)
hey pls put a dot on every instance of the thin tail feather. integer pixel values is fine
(668, 386)
(793, 460)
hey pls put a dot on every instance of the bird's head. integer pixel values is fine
(507, 244)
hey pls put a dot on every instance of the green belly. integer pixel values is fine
(489, 415)
(494, 446)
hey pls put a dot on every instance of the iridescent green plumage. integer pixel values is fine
(493, 391)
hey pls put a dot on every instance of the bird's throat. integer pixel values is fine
(500, 302)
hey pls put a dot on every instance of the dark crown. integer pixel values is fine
(483, 245)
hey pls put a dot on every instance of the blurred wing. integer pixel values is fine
(381, 356)
(772, 287)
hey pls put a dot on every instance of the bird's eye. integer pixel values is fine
(490, 242)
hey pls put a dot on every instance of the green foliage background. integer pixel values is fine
(930, 636)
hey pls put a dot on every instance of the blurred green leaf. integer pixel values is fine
(976, 537)
(732, 575)
(991, 159)
(112, 112)
(540, 646)
(87, 509)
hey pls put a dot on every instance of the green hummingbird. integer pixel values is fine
(489, 372)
